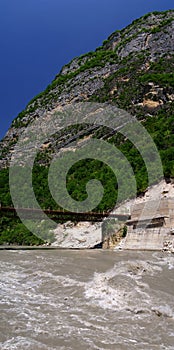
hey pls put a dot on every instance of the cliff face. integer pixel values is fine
(133, 69)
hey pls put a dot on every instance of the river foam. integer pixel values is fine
(80, 300)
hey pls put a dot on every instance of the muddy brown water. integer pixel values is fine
(89, 299)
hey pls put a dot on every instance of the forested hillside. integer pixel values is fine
(132, 70)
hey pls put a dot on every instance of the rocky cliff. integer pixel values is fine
(132, 70)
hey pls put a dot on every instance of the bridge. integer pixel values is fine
(62, 215)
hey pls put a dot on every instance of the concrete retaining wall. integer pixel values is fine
(156, 239)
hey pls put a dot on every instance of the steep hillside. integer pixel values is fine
(132, 70)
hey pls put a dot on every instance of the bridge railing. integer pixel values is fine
(32, 212)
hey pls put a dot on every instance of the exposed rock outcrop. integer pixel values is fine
(83, 235)
(132, 70)
(89, 77)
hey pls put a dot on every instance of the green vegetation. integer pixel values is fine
(162, 25)
(5, 197)
(97, 58)
(164, 79)
(131, 84)
(12, 231)
(137, 79)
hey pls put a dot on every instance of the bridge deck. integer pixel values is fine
(55, 214)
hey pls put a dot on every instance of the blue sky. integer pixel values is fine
(38, 37)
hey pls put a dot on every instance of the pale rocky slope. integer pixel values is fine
(87, 77)
(87, 235)
(116, 73)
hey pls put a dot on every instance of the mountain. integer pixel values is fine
(132, 70)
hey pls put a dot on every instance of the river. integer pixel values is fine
(86, 299)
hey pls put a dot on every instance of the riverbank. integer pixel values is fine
(16, 248)
(11, 247)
